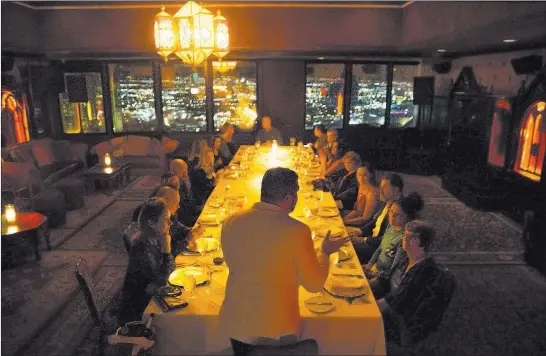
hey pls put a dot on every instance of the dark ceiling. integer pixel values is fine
(254, 3)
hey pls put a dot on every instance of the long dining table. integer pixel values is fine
(351, 328)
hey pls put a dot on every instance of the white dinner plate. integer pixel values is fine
(320, 304)
(334, 231)
(327, 212)
(178, 276)
(348, 287)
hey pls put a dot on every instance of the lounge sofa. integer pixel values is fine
(40, 163)
(148, 156)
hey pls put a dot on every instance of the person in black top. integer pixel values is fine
(418, 290)
(150, 261)
(188, 211)
(221, 157)
(345, 190)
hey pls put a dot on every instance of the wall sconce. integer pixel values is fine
(9, 210)
(107, 160)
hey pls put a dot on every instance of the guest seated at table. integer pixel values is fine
(322, 141)
(345, 190)
(181, 235)
(188, 210)
(366, 239)
(269, 255)
(268, 133)
(201, 171)
(219, 160)
(367, 201)
(331, 157)
(389, 252)
(150, 261)
(170, 179)
(227, 150)
(414, 295)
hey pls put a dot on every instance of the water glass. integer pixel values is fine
(189, 285)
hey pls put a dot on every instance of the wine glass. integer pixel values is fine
(189, 285)
(292, 141)
(209, 270)
(258, 143)
(320, 196)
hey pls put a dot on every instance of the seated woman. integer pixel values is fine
(389, 252)
(219, 161)
(331, 156)
(322, 141)
(201, 171)
(150, 261)
(417, 291)
(346, 188)
(367, 201)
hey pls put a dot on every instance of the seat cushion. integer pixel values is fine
(22, 154)
(101, 149)
(62, 151)
(43, 152)
(139, 161)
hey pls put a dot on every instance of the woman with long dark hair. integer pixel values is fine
(150, 261)
(367, 200)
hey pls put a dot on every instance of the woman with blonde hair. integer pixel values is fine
(201, 170)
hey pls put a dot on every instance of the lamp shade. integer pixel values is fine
(221, 35)
(223, 66)
(195, 33)
(9, 210)
(165, 34)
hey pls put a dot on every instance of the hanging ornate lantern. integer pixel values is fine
(195, 33)
(221, 36)
(164, 33)
(223, 66)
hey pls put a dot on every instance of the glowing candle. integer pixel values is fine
(107, 160)
(10, 213)
(108, 170)
(275, 145)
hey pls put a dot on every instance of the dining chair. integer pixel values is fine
(83, 276)
(303, 347)
(432, 310)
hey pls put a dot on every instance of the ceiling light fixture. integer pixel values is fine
(441, 50)
(193, 34)
(509, 40)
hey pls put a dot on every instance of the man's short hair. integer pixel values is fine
(425, 231)
(395, 180)
(225, 127)
(277, 183)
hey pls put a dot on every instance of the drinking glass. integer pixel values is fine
(209, 270)
(320, 196)
(189, 285)
(258, 143)
(292, 141)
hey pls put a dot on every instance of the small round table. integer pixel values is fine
(27, 225)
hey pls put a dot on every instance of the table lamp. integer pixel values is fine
(9, 210)
(107, 160)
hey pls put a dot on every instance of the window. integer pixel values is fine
(324, 95)
(132, 97)
(184, 98)
(235, 94)
(82, 110)
(368, 94)
(402, 109)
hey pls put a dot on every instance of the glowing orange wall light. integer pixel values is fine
(532, 142)
(19, 112)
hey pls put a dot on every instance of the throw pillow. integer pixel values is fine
(42, 150)
(137, 145)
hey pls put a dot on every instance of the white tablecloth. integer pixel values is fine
(350, 329)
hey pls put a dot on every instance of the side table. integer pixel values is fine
(27, 225)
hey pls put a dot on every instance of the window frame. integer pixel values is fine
(348, 87)
(256, 62)
(84, 68)
(153, 63)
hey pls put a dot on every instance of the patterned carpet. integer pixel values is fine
(498, 307)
